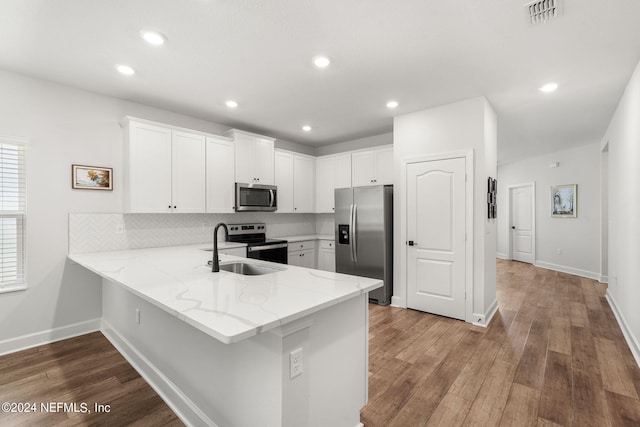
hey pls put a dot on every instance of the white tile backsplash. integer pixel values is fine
(98, 232)
(325, 223)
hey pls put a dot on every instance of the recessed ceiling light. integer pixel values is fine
(231, 104)
(125, 69)
(321, 61)
(153, 37)
(306, 128)
(549, 87)
(392, 104)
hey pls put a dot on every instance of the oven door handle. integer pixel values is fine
(267, 247)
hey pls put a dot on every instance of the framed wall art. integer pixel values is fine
(564, 201)
(492, 192)
(91, 178)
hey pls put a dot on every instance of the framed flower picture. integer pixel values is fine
(91, 178)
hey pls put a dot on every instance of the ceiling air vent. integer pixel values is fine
(540, 11)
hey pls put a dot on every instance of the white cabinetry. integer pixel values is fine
(188, 172)
(220, 172)
(327, 255)
(294, 177)
(372, 167)
(303, 183)
(302, 254)
(331, 172)
(284, 180)
(164, 169)
(254, 157)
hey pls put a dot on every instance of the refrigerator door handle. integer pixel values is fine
(354, 242)
(351, 232)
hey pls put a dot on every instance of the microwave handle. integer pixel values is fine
(272, 198)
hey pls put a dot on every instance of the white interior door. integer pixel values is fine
(522, 223)
(436, 226)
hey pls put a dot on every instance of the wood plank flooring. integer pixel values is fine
(552, 356)
(83, 369)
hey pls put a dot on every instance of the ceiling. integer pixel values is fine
(422, 53)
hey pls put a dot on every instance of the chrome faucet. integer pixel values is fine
(216, 262)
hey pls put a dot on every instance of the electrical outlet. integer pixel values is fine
(295, 363)
(119, 229)
(138, 316)
(559, 251)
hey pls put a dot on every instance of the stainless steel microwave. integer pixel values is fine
(256, 197)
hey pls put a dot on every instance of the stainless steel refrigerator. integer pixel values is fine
(364, 236)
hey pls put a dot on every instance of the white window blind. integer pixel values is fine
(12, 214)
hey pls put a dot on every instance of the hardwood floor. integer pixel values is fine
(84, 369)
(552, 356)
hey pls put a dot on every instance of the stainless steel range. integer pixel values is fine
(258, 246)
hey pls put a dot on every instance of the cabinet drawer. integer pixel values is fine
(300, 246)
(327, 244)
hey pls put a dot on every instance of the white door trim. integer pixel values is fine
(533, 218)
(401, 299)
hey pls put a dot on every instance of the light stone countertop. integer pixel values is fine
(227, 306)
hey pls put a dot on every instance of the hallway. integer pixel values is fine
(552, 355)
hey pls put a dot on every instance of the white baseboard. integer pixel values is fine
(179, 403)
(603, 279)
(398, 302)
(484, 319)
(569, 270)
(24, 342)
(626, 331)
(502, 256)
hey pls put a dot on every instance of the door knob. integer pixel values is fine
(412, 243)
(513, 227)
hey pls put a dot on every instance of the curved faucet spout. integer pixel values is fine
(216, 262)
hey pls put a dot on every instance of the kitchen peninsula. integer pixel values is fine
(279, 349)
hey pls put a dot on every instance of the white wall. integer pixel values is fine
(466, 125)
(577, 238)
(64, 126)
(356, 144)
(623, 137)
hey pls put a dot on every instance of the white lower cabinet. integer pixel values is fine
(302, 254)
(327, 255)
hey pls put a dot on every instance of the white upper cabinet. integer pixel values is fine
(188, 172)
(331, 172)
(163, 169)
(295, 181)
(284, 180)
(254, 158)
(303, 183)
(372, 167)
(220, 172)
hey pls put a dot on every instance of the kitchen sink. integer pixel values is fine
(247, 269)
